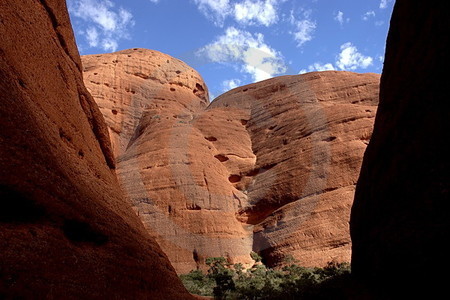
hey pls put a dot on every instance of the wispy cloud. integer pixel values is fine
(230, 84)
(318, 66)
(366, 16)
(351, 59)
(339, 17)
(154, 1)
(245, 12)
(103, 24)
(384, 3)
(259, 12)
(215, 10)
(304, 28)
(238, 46)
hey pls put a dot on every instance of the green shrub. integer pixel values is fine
(225, 281)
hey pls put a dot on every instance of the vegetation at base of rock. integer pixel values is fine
(227, 281)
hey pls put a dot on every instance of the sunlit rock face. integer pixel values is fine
(269, 167)
(66, 229)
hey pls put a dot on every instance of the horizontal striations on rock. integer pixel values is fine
(127, 83)
(308, 133)
(269, 167)
(169, 165)
(66, 230)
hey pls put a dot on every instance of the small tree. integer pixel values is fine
(222, 275)
(255, 256)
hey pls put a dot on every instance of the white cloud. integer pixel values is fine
(257, 58)
(230, 84)
(251, 12)
(154, 1)
(304, 29)
(339, 17)
(245, 12)
(379, 23)
(92, 36)
(216, 10)
(106, 24)
(318, 67)
(351, 59)
(384, 3)
(368, 15)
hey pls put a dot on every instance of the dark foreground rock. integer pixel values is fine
(400, 219)
(66, 230)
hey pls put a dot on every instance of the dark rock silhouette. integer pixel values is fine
(400, 218)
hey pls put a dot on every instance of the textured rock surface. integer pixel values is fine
(308, 134)
(66, 229)
(400, 218)
(269, 167)
(127, 83)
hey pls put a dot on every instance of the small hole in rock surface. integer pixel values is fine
(221, 158)
(234, 178)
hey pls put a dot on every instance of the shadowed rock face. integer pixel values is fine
(269, 167)
(400, 218)
(66, 229)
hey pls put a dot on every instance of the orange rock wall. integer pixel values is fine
(269, 167)
(66, 230)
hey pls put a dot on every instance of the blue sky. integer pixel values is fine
(236, 42)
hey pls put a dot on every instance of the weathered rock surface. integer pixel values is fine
(400, 217)
(308, 134)
(127, 83)
(66, 230)
(269, 167)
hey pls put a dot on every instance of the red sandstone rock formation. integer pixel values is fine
(308, 134)
(400, 217)
(66, 230)
(269, 167)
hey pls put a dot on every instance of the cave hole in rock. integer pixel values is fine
(114, 111)
(81, 232)
(210, 138)
(195, 256)
(329, 139)
(234, 178)
(221, 157)
(16, 207)
(199, 90)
